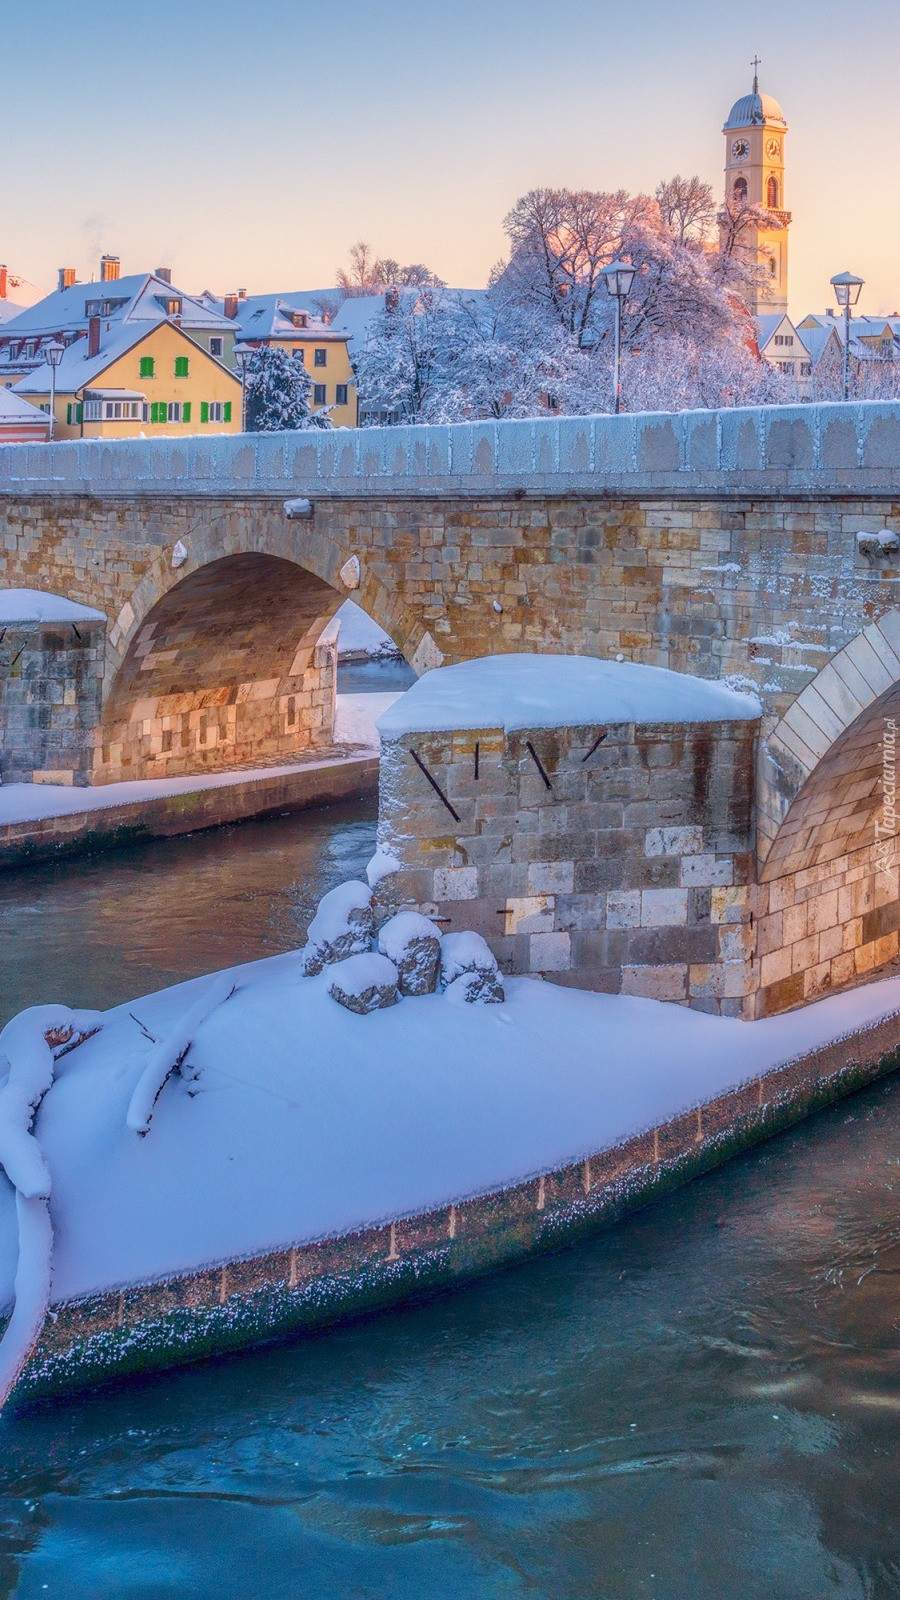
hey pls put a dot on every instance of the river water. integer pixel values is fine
(701, 1404)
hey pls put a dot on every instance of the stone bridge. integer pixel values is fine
(721, 544)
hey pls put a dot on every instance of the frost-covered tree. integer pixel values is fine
(277, 393)
(687, 206)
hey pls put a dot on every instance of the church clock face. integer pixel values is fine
(740, 150)
(773, 149)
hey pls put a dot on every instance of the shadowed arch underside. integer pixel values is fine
(225, 671)
(829, 909)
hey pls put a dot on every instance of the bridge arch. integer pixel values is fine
(829, 912)
(218, 662)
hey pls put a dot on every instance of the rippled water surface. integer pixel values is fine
(701, 1404)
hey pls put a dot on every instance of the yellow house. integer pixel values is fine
(323, 349)
(122, 381)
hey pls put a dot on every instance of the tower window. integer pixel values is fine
(772, 194)
(773, 267)
(740, 190)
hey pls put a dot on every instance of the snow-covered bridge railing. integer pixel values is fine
(821, 450)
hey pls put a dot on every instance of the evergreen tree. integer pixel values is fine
(277, 390)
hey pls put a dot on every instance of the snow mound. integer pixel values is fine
(34, 605)
(364, 983)
(381, 865)
(413, 943)
(342, 926)
(551, 691)
(469, 956)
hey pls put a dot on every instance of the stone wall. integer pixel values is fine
(51, 679)
(615, 858)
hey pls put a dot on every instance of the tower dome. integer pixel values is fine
(755, 110)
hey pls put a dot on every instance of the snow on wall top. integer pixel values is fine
(548, 691)
(832, 448)
(33, 605)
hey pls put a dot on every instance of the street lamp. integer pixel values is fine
(847, 291)
(619, 276)
(54, 353)
(242, 354)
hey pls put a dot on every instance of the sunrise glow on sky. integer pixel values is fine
(250, 145)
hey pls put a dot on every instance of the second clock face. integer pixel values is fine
(773, 149)
(740, 150)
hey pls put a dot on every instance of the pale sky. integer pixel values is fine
(248, 145)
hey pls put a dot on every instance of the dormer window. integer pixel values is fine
(299, 319)
(29, 350)
(13, 351)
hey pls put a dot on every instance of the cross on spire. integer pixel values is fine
(756, 63)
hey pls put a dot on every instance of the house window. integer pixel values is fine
(73, 412)
(785, 366)
(300, 355)
(320, 359)
(120, 410)
(173, 308)
(182, 364)
(148, 366)
(14, 352)
(215, 411)
(340, 394)
(887, 347)
(92, 411)
(29, 350)
(318, 394)
(806, 369)
(174, 409)
(299, 319)
(784, 338)
(215, 346)
(772, 194)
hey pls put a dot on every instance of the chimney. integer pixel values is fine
(109, 269)
(2, 282)
(165, 273)
(231, 305)
(93, 337)
(242, 294)
(66, 277)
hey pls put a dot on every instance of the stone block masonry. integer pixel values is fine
(51, 683)
(614, 858)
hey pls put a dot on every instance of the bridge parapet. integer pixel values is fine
(808, 450)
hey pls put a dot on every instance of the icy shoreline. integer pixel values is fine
(303, 1121)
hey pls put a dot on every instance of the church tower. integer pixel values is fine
(754, 175)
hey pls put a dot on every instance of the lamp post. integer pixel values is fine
(54, 353)
(619, 276)
(847, 291)
(242, 354)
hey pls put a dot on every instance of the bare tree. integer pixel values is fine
(736, 261)
(364, 275)
(370, 274)
(687, 207)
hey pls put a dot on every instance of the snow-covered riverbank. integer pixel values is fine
(300, 1120)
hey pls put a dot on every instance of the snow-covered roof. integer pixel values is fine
(9, 310)
(77, 368)
(358, 312)
(35, 605)
(140, 294)
(551, 691)
(271, 317)
(14, 410)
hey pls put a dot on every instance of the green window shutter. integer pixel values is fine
(154, 409)
(186, 411)
(79, 412)
(226, 415)
(147, 366)
(69, 413)
(204, 410)
(181, 366)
